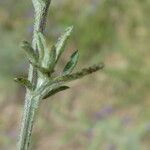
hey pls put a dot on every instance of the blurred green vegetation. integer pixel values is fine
(106, 111)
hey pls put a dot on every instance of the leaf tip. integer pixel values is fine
(69, 29)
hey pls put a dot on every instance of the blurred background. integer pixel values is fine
(108, 110)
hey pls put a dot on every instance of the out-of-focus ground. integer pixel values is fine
(108, 110)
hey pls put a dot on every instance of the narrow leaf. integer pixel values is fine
(52, 58)
(56, 90)
(71, 64)
(80, 74)
(49, 60)
(29, 51)
(42, 39)
(41, 44)
(67, 78)
(24, 82)
(60, 45)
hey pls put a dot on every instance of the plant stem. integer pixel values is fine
(32, 102)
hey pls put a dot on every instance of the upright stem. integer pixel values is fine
(31, 102)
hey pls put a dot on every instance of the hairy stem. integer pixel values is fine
(32, 102)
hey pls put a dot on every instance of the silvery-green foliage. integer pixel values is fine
(45, 63)
(60, 45)
(41, 82)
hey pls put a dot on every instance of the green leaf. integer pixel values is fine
(71, 64)
(79, 74)
(41, 44)
(29, 51)
(56, 90)
(24, 82)
(42, 40)
(49, 60)
(52, 58)
(52, 84)
(60, 45)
